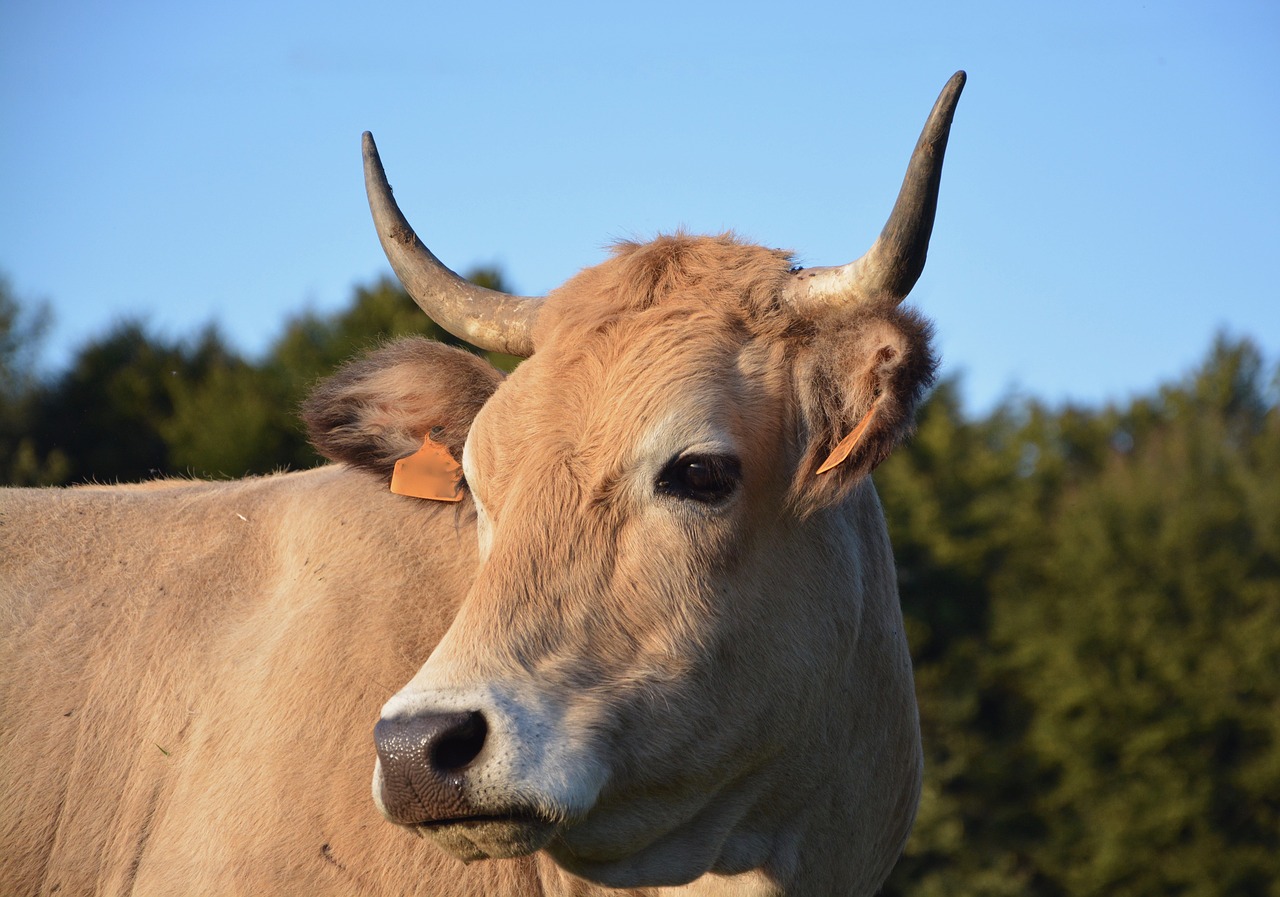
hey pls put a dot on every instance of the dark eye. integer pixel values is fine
(702, 478)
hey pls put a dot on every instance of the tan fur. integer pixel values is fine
(191, 673)
(190, 678)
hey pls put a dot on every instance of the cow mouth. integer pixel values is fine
(489, 835)
(518, 818)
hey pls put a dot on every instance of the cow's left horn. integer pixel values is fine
(891, 267)
(491, 320)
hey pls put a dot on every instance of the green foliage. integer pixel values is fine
(234, 420)
(108, 414)
(21, 332)
(1092, 595)
(135, 406)
(1156, 695)
(1094, 601)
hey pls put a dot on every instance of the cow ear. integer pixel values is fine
(377, 409)
(858, 384)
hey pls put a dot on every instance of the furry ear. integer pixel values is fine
(377, 409)
(858, 385)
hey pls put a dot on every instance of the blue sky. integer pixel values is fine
(1111, 197)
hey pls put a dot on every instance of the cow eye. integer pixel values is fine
(702, 478)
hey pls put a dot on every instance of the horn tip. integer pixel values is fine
(373, 171)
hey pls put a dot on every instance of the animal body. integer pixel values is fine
(656, 646)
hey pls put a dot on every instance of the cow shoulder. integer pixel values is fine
(376, 409)
(858, 383)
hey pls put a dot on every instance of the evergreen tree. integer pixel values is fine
(1093, 599)
(1150, 649)
(134, 406)
(21, 332)
(109, 413)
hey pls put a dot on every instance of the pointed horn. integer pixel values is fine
(486, 318)
(891, 267)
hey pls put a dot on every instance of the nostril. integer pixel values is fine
(422, 759)
(456, 747)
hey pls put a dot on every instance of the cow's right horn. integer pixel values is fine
(491, 320)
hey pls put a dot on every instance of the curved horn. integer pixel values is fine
(891, 267)
(486, 318)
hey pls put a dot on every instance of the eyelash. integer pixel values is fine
(706, 479)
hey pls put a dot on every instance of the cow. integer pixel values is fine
(640, 590)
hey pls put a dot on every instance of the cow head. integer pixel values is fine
(682, 652)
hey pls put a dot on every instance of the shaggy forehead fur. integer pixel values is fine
(720, 273)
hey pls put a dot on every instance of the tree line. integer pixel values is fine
(1092, 594)
(132, 405)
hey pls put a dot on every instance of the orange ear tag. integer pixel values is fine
(849, 443)
(430, 473)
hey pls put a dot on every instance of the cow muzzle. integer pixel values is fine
(424, 761)
(422, 781)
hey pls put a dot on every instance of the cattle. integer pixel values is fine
(653, 644)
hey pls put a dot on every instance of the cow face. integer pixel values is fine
(664, 646)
